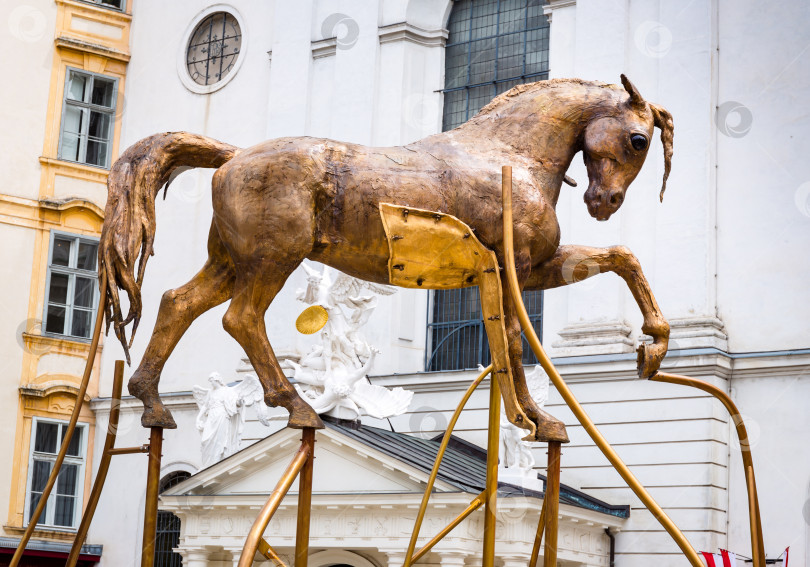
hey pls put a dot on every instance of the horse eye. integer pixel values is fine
(638, 141)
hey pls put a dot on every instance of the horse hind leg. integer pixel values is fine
(211, 286)
(244, 320)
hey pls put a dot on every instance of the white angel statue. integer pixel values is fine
(332, 377)
(221, 418)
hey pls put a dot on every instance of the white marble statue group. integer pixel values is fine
(332, 376)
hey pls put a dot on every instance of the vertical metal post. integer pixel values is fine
(551, 503)
(493, 441)
(103, 467)
(152, 487)
(305, 500)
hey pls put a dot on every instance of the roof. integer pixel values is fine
(463, 466)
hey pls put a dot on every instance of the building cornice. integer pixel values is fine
(403, 31)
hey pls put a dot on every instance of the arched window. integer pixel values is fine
(493, 45)
(168, 526)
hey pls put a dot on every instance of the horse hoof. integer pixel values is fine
(649, 358)
(304, 420)
(158, 416)
(549, 428)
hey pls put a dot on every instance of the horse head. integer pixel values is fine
(615, 145)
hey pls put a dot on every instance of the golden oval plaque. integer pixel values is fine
(311, 320)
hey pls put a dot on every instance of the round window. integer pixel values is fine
(213, 48)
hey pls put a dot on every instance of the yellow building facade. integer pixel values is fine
(67, 61)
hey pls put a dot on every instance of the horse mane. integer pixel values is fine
(504, 98)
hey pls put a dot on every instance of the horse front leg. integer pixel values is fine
(571, 264)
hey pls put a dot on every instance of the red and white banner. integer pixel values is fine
(784, 557)
(723, 559)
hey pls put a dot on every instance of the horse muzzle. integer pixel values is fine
(602, 203)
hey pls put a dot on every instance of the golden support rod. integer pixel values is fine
(541, 524)
(152, 490)
(273, 502)
(757, 545)
(103, 467)
(270, 553)
(129, 450)
(490, 505)
(420, 516)
(552, 509)
(474, 505)
(74, 418)
(565, 392)
(305, 500)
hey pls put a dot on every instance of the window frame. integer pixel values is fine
(71, 272)
(89, 107)
(80, 476)
(101, 4)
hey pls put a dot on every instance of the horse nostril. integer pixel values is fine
(616, 199)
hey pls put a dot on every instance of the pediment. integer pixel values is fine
(342, 465)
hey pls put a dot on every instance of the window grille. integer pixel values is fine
(167, 536)
(213, 48)
(115, 4)
(88, 118)
(492, 46)
(72, 286)
(65, 502)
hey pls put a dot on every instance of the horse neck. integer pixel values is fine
(545, 126)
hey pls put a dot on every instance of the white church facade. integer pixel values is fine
(725, 253)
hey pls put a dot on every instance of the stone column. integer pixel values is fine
(452, 558)
(194, 557)
(395, 558)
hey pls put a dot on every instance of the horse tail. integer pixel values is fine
(129, 219)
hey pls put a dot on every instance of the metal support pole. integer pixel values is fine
(103, 467)
(541, 525)
(551, 503)
(254, 537)
(490, 504)
(565, 392)
(305, 500)
(152, 490)
(755, 521)
(410, 558)
(74, 418)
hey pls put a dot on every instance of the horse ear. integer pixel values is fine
(636, 100)
(663, 120)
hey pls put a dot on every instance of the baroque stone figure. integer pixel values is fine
(288, 199)
(332, 377)
(221, 419)
(517, 462)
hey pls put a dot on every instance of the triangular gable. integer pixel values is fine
(342, 465)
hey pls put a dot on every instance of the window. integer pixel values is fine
(456, 336)
(65, 501)
(72, 288)
(493, 45)
(213, 48)
(116, 4)
(168, 527)
(88, 118)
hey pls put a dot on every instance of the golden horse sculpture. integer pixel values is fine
(288, 199)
